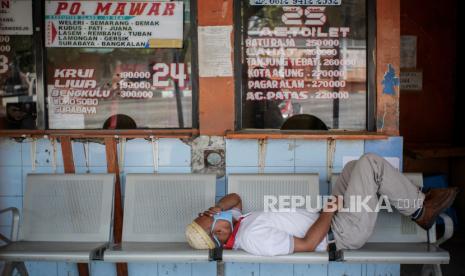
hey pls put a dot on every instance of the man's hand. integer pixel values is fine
(226, 203)
(320, 228)
(211, 211)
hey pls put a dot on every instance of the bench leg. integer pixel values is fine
(431, 270)
(7, 269)
(437, 270)
(11, 266)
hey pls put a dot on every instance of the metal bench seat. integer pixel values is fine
(253, 188)
(81, 252)
(397, 253)
(240, 256)
(157, 209)
(66, 217)
(155, 252)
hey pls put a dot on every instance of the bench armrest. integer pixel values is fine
(448, 229)
(14, 225)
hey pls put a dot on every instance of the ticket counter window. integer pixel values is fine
(303, 58)
(18, 79)
(110, 69)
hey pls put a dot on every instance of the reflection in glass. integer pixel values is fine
(17, 82)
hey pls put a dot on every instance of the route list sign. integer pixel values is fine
(298, 57)
(111, 24)
(304, 57)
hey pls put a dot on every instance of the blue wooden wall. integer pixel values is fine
(282, 156)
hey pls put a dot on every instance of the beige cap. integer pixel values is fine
(198, 238)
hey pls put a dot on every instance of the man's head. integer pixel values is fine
(205, 232)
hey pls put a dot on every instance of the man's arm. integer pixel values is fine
(228, 202)
(317, 231)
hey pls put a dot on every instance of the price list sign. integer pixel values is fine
(303, 55)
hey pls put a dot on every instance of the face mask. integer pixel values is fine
(225, 215)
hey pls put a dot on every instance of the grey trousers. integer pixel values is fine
(370, 176)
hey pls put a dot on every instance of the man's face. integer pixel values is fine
(16, 113)
(222, 228)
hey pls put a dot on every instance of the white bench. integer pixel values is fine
(398, 240)
(65, 217)
(157, 209)
(252, 188)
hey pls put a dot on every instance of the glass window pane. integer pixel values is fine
(125, 88)
(18, 81)
(305, 62)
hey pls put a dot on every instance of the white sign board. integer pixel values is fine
(411, 81)
(114, 24)
(215, 53)
(16, 17)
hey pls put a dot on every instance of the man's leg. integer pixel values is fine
(370, 176)
(342, 182)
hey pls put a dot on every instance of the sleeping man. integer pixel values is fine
(281, 233)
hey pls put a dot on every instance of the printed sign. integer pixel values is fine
(78, 95)
(114, 24)
(304, 57)
(411, 81)
(408, 51)
(15, 17)
(301, 58)
(295, 2)
(215, 51)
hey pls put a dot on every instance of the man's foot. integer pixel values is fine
(436, 201)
